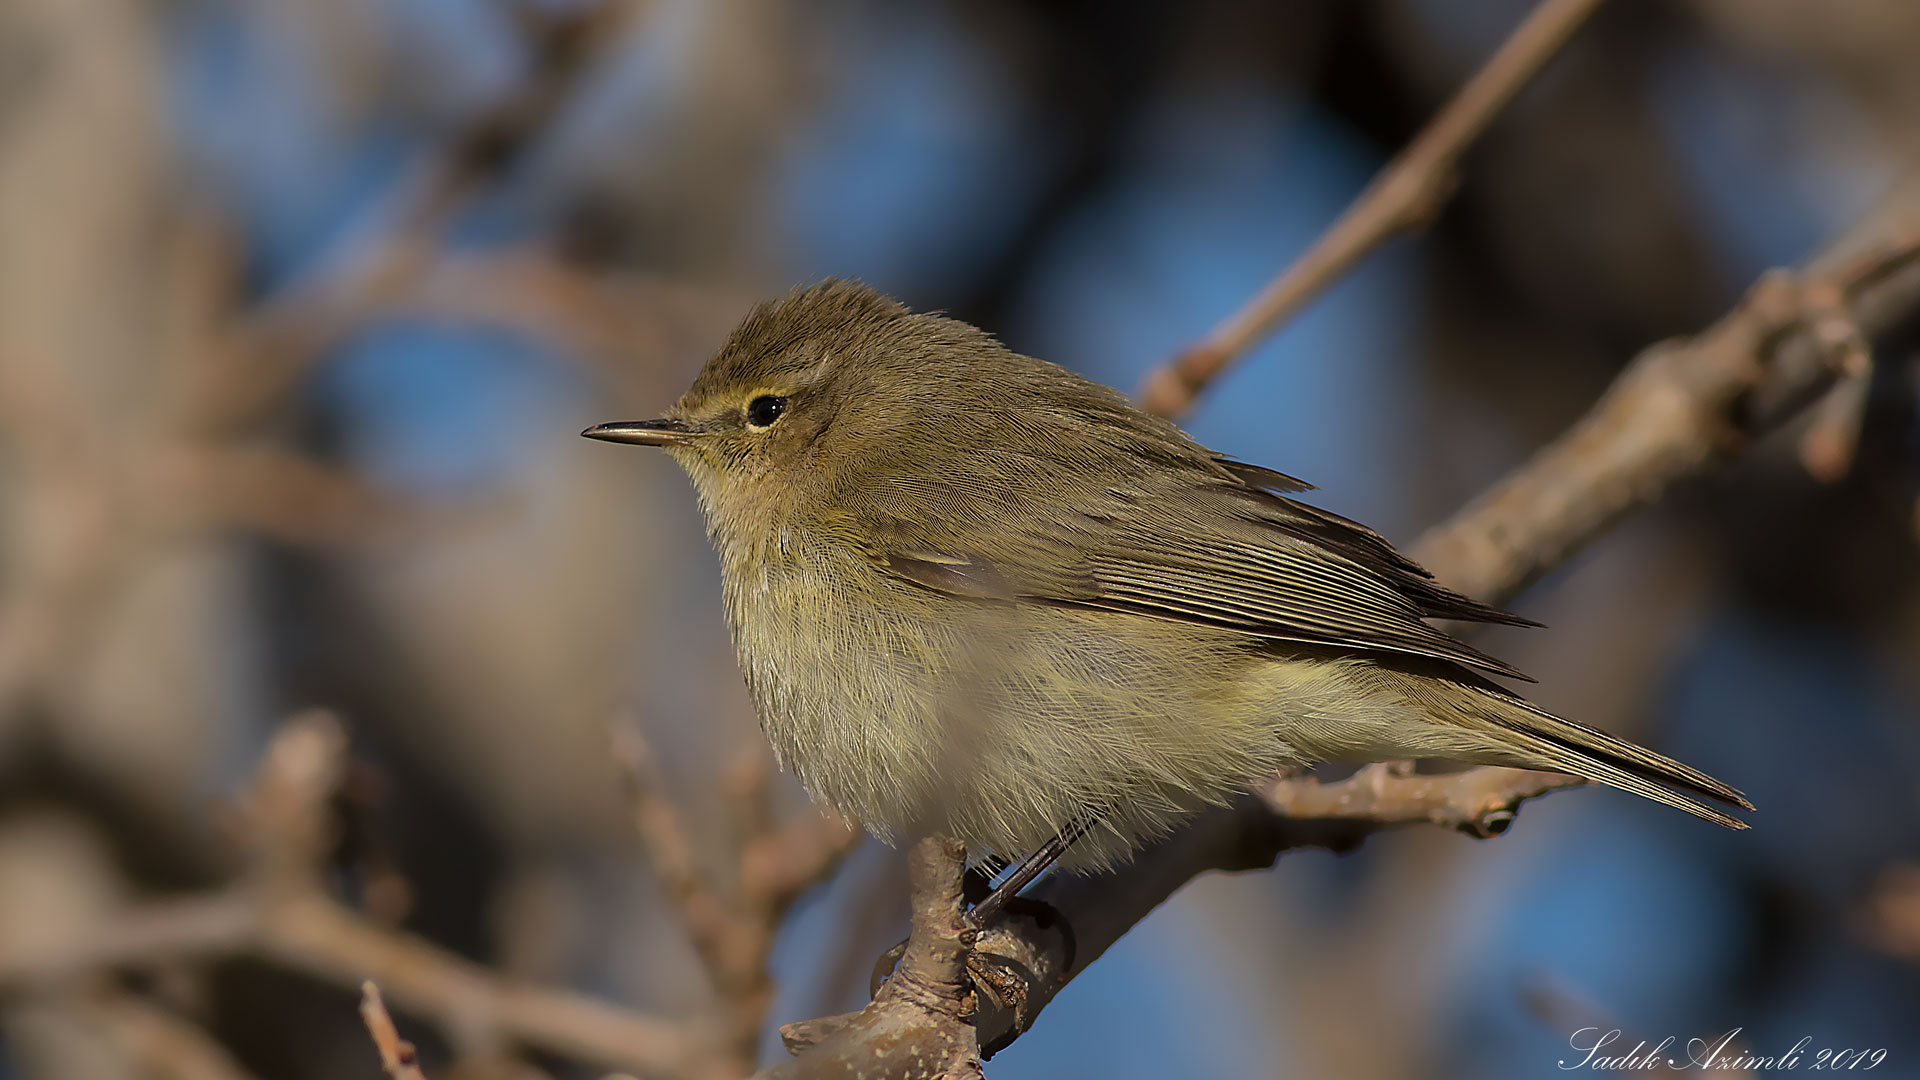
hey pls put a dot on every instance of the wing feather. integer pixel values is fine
(1103, 507)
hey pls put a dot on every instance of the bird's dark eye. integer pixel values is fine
(765, 409)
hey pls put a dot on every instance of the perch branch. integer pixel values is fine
(1405, 196)
(921, 1024)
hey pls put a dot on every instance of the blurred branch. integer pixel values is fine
(264, 353)
(270, 490)
(1680, 409)
(1570, 1013)
(1404, 197)
(1828, 446)
(670, 849)
(733, 932)
(597, 315)
(113, 500)
(565, 43)
(153, 1040)
(279, 912)
(1892, 913)
(621, 321)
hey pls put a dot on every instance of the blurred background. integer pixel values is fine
(302, 303)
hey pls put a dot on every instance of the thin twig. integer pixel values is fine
(474, 1004)
(397, 1055)
(670, 850)
(734, 930)
(776, 867)
(1480, 802)
(1404, 196)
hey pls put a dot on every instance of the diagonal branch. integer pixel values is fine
(1404, 197)
(1681, 409)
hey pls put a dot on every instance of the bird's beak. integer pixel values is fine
(644, 432)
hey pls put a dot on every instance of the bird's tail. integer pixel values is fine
(1564, 746)
(1515, 732)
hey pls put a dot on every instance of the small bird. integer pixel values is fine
(976, 594)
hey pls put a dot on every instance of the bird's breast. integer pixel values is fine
(846, 669)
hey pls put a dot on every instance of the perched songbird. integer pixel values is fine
(976, 594)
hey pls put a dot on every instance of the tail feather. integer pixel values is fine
(1523, 734)
(1586, 763)
(1595, 755)
(1628, 757)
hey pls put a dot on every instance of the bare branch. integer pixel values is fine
(239, 366)
(1479, 802)
(472, 1003)
(776, 867)
(1405, 196)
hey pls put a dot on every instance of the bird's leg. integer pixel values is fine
(989, 904)
(1023, 874)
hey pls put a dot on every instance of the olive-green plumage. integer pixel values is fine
(974, 593)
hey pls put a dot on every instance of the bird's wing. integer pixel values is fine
(1153, 525)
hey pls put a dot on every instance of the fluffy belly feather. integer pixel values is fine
(1004, 725)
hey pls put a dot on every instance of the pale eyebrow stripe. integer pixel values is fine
(793, 381)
